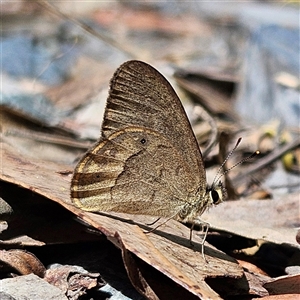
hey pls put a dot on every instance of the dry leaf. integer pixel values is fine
(282, 297)
(22, 262)
(167, 250)
(214, 94)
(289, 284)
(269, 220)
(72, 280)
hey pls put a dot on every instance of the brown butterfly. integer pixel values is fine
(147, 160)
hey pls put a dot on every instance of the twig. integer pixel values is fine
(49, 138)
(223, 145)
(273, 156)
(201, 112)
(88, 29)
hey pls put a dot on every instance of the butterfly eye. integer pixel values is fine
(215, 196)
(143, 141)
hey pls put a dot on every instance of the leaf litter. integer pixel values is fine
(257, 238)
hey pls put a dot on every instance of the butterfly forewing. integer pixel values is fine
(140, 96)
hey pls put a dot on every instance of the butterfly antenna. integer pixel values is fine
(257, 152)
(217, 177)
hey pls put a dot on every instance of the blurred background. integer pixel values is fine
(234, 65)
(238, 60)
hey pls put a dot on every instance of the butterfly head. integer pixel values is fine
(213, 195)
(217, 193)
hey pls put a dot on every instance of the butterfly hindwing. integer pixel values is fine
(135, 170)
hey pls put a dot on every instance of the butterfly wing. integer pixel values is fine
(135, 170)
(147, 160)
(140, 96)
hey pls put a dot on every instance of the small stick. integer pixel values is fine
(270, 158)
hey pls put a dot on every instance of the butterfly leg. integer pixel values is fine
(153, 229)
(204, 228)
(152, 223)
(191, 234)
